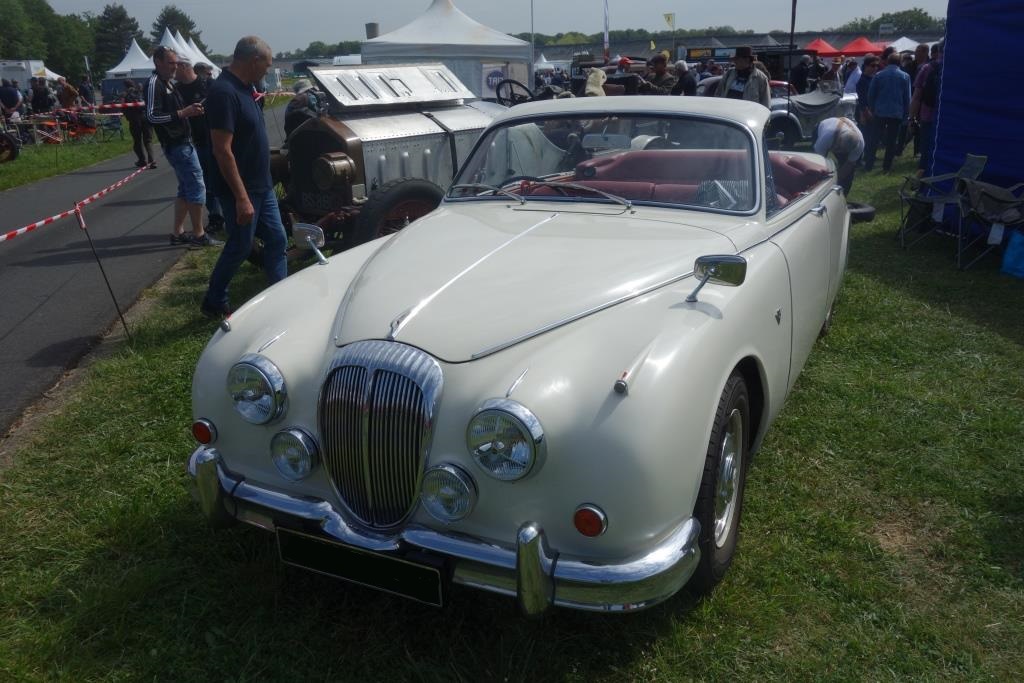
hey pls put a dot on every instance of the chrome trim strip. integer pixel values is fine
(577, 316)
(516, 383)
(579, 583)
(405, 318)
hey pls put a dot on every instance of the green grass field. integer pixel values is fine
(883, 535)
(36, 162)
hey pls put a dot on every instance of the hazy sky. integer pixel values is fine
(288, 25)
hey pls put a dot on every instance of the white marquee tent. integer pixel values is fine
(478, 55)
(134, 65)
(904, 44)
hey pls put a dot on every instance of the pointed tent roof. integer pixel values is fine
(134, 60)
(203, 57)
(904, 44)
(822, 46)
(860, 47)
(444, 31)
(168, 40)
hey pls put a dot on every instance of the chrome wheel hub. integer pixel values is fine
(730, 465)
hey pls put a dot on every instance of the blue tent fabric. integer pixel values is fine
(981, 102)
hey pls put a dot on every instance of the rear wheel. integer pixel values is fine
(720, 501)
(394, 205)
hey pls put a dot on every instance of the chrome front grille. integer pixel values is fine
(376, 420)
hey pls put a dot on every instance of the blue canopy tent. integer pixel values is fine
(981, 104)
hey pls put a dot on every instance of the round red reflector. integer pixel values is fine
(589, 520)
(203, 431)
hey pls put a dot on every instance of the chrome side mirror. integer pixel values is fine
(308, 236)
(723, 269)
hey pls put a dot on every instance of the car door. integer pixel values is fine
(801, 231)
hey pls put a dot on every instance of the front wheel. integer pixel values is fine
(393, 206)
(720, 501)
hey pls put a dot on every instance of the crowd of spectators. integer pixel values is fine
(43, 96)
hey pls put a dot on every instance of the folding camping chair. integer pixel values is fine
(923, 200)
(110, 126)
(993, 208)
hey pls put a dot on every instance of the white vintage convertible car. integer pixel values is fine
(552, 386)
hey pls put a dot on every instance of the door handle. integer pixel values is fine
(819, 210)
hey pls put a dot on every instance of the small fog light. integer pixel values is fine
(590, 520)
(294, 453)
(204, 432)
(449, 493)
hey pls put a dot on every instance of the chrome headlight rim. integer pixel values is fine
(464, 477)
(309, 445)
(274, 379)
(531, 426)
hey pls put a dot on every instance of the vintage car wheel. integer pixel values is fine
(860, 213)
(9, 147)
(394, 205)
(720, 501)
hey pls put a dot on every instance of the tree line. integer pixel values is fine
(31, 29)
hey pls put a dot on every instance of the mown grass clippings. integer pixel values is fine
(882, 531)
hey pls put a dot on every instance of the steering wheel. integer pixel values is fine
(511, 92)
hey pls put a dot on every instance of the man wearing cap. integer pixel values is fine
(302, 107)
(744, 82)
(660, 81)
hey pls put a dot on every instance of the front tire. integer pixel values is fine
(720, 501)
(393, 206)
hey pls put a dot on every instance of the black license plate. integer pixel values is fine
(389, 574)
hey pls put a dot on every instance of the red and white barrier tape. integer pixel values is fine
(64, 214)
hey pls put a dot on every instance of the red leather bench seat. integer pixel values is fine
(688, 167)
(794, 174)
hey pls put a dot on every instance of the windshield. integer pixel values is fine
(682, 161)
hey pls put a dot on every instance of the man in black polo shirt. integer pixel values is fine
(242, 181)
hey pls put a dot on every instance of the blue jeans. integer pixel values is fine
(266, 224)
(185, 162)
(207, 162)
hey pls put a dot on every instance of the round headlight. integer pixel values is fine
(449, 493)
(294, 453)
(257, 389)
(505, 439)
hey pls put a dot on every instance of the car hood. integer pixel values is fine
(470, 279)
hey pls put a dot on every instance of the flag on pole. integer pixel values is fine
(670, 19)
(606, 31)
(652, 45)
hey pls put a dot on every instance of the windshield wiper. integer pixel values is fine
(577, 186)
(495, 190)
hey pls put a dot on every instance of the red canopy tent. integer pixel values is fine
(822, 47)
(860, 47)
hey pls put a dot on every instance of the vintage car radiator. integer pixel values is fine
(376, 422)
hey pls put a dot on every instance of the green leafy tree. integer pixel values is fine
(114, 30)
(22, 35)
(179, 22)
(905, 21)
(71, 39)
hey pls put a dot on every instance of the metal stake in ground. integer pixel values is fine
(81, 224)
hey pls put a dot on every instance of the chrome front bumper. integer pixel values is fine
(530, 571)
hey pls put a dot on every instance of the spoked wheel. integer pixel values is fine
(394, 205)
(9, 147)
(720, 501)
(511, 92)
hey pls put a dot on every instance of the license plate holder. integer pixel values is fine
(394, 575)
